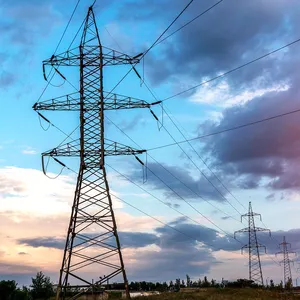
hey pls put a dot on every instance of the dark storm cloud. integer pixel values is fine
(137, 239)
(128, 239)
(186, 250)
(272, 243)
(182, 233)
(47, 242)
(188, 235)
(267, 150)
(181, 184)
(231, 34)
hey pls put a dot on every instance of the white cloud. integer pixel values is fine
(29, 151)
(221, 94)
(30, 191)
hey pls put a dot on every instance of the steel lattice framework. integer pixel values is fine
(286, 263)
(92, 238)
(255, 271)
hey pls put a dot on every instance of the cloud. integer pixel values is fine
(266, 154)
(128, 240)
(29, 151)
(22, 189)
(133, 123)
(191, 245)
(203, 50)
(198, 249)
(19, 25)
(7, 79)
(178, 182)
(272, 244)
(47, 242)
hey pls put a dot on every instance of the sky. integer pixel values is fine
(195, 192)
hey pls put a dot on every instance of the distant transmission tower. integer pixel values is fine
(286, 262)
(255, 271)
(92, 242)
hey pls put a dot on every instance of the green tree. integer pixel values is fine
(199, 282)
(188, 280)
(205, 282)
(7, 289)
(289, 284)
(22, 294)
(41, 287)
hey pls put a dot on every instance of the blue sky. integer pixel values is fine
(257, 164)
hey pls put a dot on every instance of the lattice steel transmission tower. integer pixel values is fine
(255, 271)
(92, 238)
(286, 263)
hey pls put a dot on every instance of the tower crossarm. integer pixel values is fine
(241, 231)
(112, 148)
(71, 102)
(251, 214)
(72, 57)
(247, 246)
(263, 229)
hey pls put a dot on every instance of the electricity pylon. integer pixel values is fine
(92, 238)
(286, 263)
(255, 271)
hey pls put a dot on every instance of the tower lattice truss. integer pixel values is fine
(92, 243)
(255, 270)
(287, 274)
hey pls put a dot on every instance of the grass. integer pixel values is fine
(223, 294)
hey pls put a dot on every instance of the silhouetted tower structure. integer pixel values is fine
(92, 238)
(286, 262)
(255, 271)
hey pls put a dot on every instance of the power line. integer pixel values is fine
(165, 224)
(186, 24)
(67, 27)
(171, 120)
(156, 219)
(204, 162)
(161, 165)
(178, 16)
(155, 42)
(199, 157)
(152, 93)
(226, 130)
(49, 81)
(232, 70)
(178, 211)
(196, 166)
(164, 110)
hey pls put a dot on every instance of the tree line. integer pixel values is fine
(40, 288)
